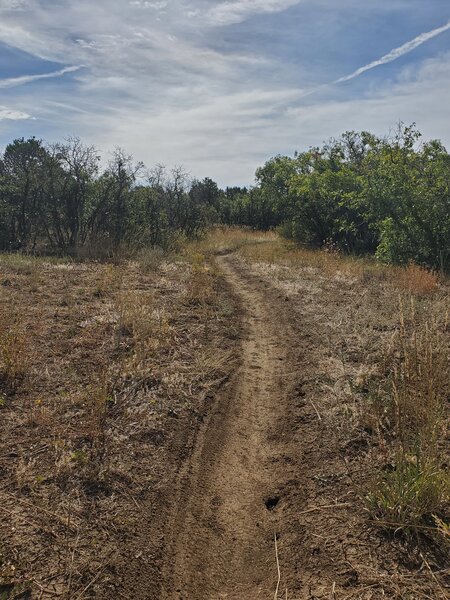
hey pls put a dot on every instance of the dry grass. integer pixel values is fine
(139, 317)
(408, 388)
(326, 262)
(13, 357)
(113, 356)
(411, 413)
(413, 278)
(110, 280)
(375, 342)
(110, 367)
(420, 380)
(150, 259)
(200, 288)
(222, 240)
(96, 401)
(416, 279)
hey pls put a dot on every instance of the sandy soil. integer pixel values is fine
(237, 469)
(224, 523)
(281, 454)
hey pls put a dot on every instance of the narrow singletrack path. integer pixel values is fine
(221, 536)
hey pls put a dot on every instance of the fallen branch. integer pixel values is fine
(278, 568)
(317, 412)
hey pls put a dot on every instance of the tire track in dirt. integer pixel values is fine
(221, 536)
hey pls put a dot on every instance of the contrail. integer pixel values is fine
(389, 57)
(13, 81)
(396, 53)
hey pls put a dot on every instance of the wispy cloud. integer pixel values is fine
(12, 115)
(13, 5)
(160, 6)
(216, 85)
(23, 79)
(396, 52)
(227, 13)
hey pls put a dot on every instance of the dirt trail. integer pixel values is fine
(223, 530)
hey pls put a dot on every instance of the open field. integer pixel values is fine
(181, 426)
(106, 372)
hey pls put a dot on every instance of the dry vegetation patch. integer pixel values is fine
(370, 405)
(108, 370)
(105, 373)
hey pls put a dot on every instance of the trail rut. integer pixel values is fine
(222, 533)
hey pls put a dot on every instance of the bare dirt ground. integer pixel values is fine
(224, 524)
(242, 423)
(287, 453)
(107, 372)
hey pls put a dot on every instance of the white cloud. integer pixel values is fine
(227, 137)
(160, 6)
(179, 90)
(12, 115)
(11, 5)
(409, 99)
(235, 11)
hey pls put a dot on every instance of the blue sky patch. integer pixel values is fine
(220, 86)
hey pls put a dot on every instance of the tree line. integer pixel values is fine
(59, 197)
(362, 194)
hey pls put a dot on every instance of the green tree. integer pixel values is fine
(23, 176)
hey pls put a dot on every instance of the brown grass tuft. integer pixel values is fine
(13, 360)
(415, 279)
(412, 415)
(200, 288)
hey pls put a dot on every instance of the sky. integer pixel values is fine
(219, 87)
